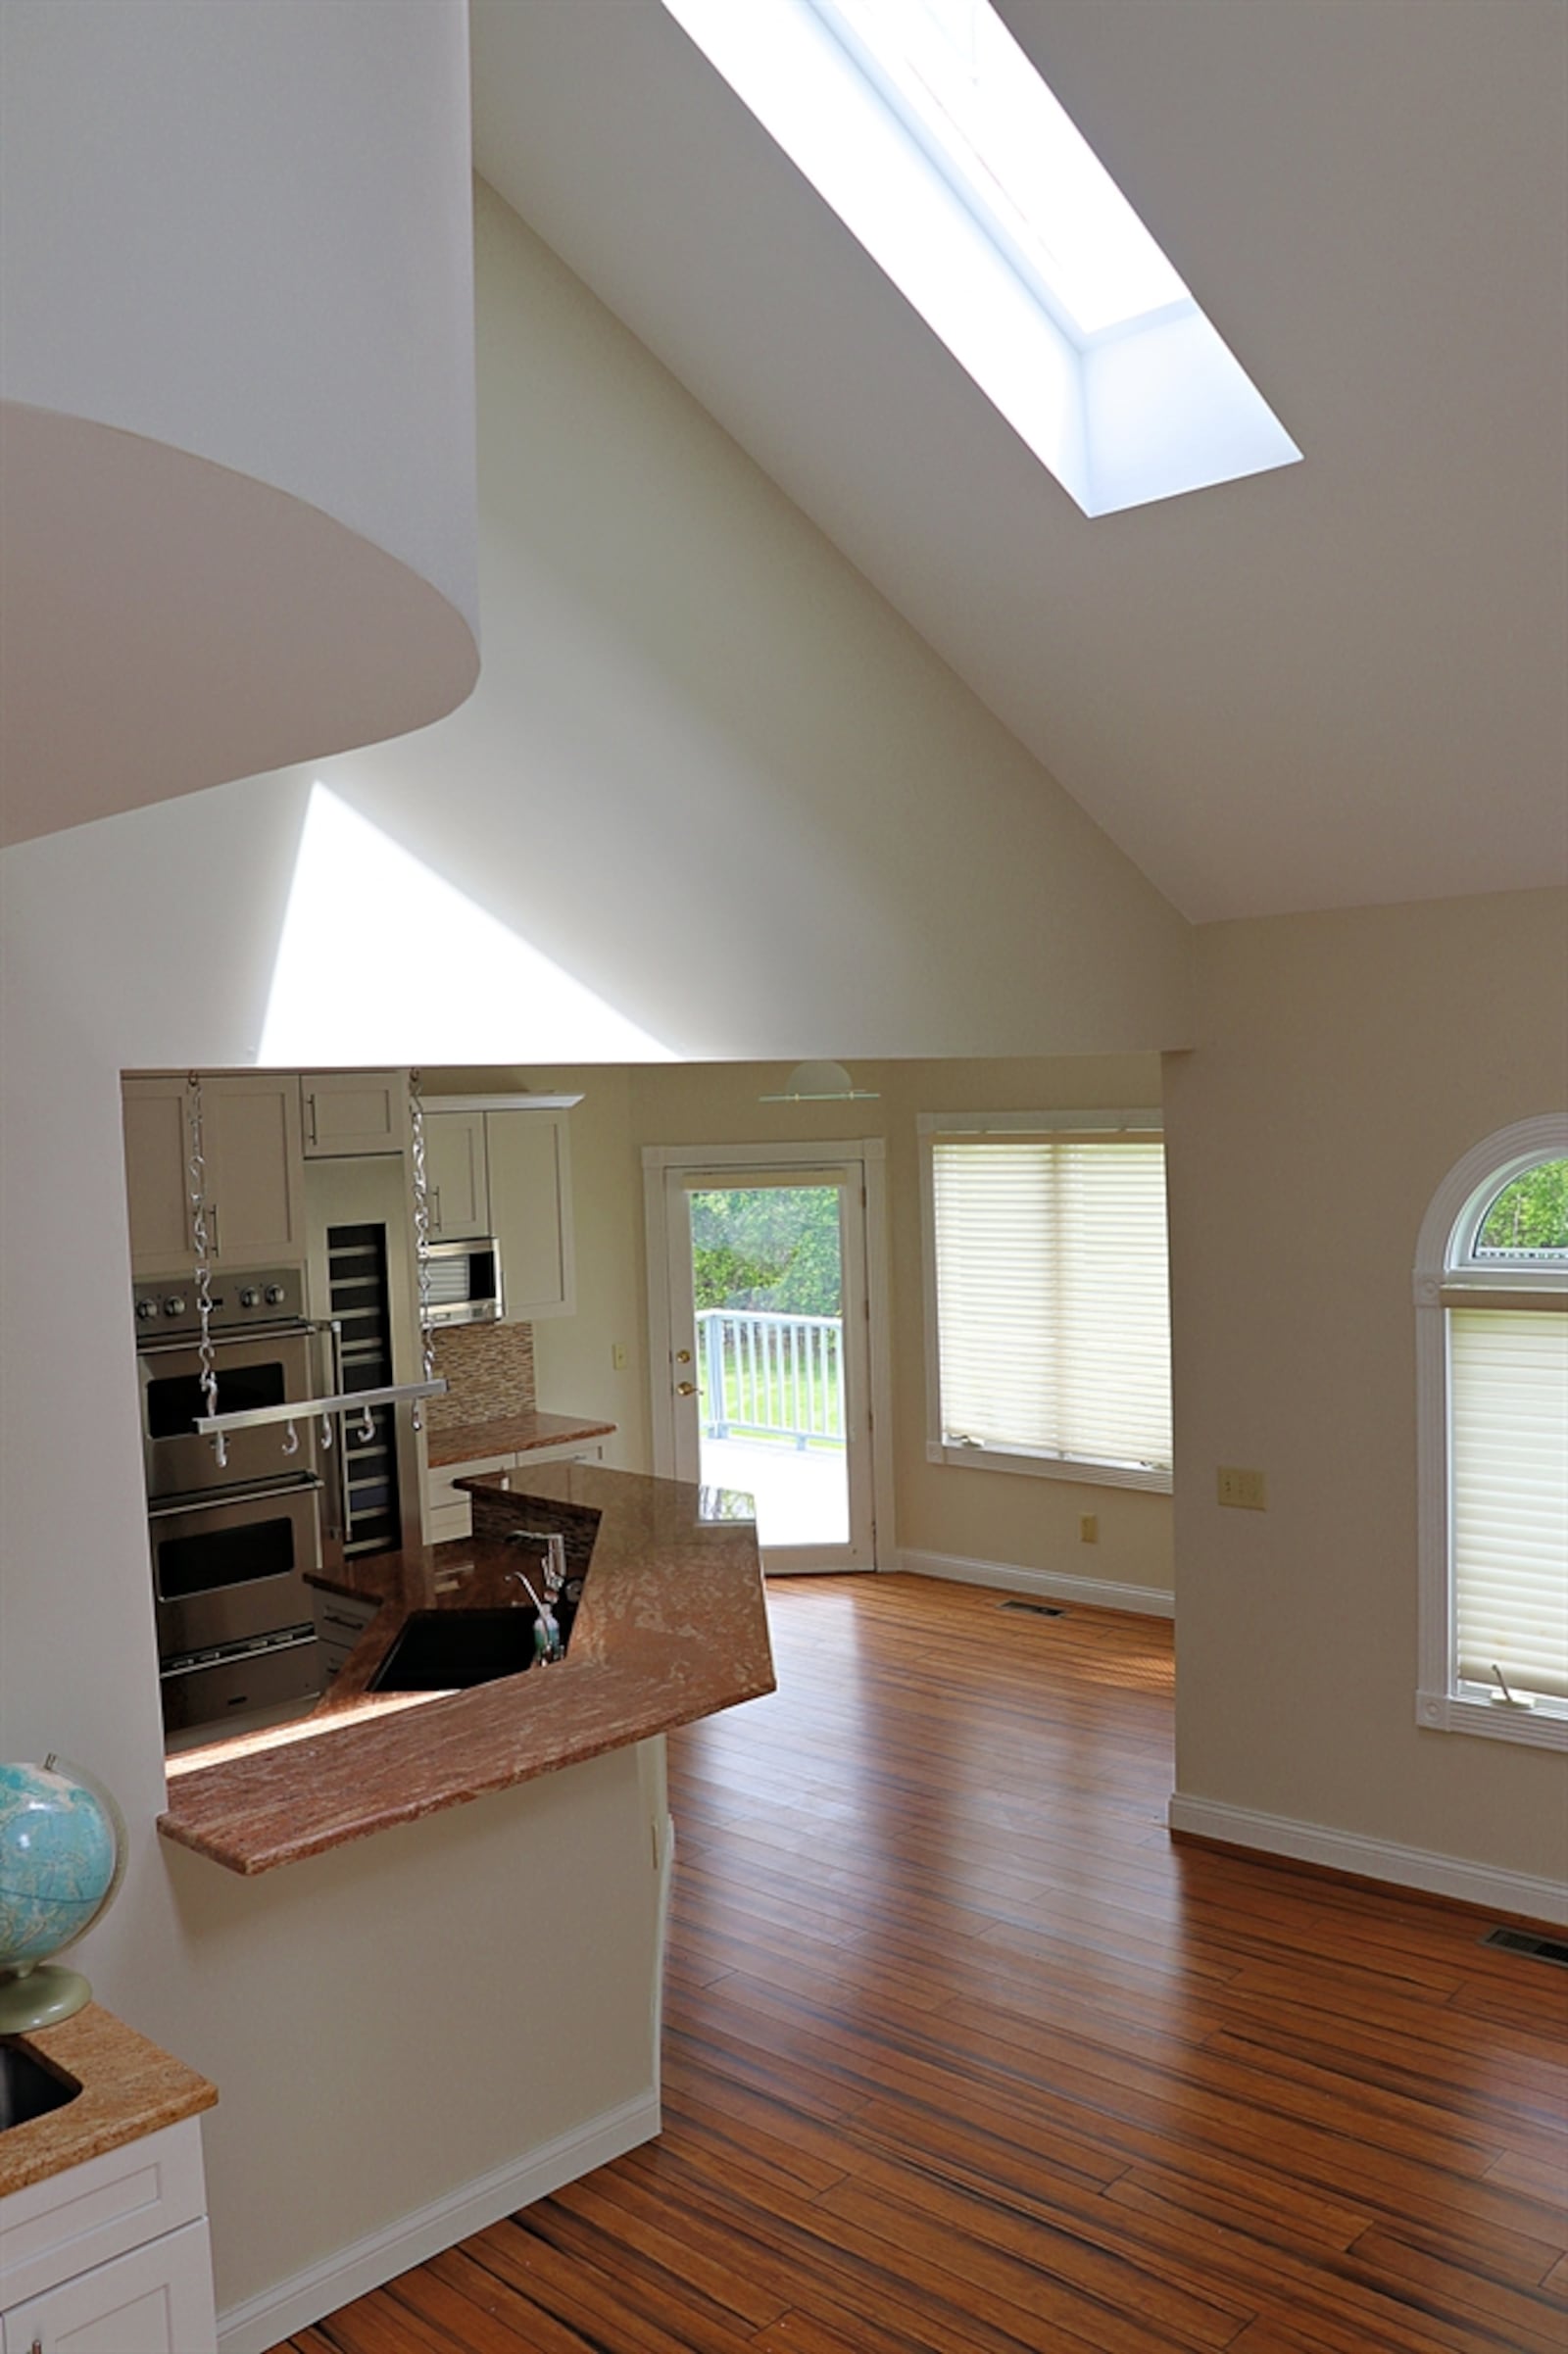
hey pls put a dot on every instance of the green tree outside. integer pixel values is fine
(1531, 1214)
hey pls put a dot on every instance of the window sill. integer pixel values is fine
(1543, 1727)
(1082, 1469)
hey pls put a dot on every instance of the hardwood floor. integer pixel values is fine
(963, 2053)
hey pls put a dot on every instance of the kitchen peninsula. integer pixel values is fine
(672, 1626)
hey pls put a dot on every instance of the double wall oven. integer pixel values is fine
(233, 1545)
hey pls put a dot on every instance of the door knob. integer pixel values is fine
(683, 1357)
(685, 1389)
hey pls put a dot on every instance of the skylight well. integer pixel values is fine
(924, 127)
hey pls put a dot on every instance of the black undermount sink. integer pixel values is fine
(451, 1650)
(27, 2088)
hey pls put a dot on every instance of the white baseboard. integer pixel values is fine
(1143, 1601)
(266, 2320)
(1372, 1859)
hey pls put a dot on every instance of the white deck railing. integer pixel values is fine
(775, 1375)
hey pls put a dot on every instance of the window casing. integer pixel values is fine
(1048, 1322)
(1491, 1363)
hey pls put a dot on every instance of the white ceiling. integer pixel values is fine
(1339, 684)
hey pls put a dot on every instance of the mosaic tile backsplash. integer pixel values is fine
(489, 1368)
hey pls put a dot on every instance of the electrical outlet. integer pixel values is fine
(1089, 1527)
(617, 1357)
(1247, 1490)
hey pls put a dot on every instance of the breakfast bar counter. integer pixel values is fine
(673, 1624)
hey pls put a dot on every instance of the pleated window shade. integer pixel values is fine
(1508, 1468)
(1052, 1297)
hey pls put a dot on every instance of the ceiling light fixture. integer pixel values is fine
(820, 1083)
(926, 129)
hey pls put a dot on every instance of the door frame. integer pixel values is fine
(870, 1152)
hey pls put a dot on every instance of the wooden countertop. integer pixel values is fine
(673, 1624)
(128, 2088)
(510, 1435)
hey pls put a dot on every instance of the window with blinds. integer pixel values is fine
(1491, 1371)
(1508, 1473)
(1052, 1297)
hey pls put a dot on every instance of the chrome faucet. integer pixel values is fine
(554, 1551)
(548, 1642)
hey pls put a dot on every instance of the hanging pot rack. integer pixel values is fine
(358, 1402)
(346, 1401)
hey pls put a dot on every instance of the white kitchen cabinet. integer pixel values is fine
(518, 1188)
(344, 1113)
(458, 1176)
(253, 1176)
(340, 1621)
(254, 1169)
(157, 1147)
(112, 2255)
(529, 1162)
(448, 1511)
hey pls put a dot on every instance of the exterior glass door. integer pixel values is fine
(769, 1380)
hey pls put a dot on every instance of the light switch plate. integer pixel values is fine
(1247, 1490)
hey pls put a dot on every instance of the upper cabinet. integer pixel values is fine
(253, 1183)
(349, 1113)
(458, 1173)
(496, 1168)
(157, 1148)
(530, 1213)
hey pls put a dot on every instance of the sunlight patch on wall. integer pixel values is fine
(382, 961)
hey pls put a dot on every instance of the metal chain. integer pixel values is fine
(197, 1171)
(422, 1232)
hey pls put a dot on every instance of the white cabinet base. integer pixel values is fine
(448, 1512)
(112, 2256)
(157, 2300)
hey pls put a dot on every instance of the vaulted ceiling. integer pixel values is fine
(1339, 684)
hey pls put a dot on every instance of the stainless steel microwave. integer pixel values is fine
(466, 1282)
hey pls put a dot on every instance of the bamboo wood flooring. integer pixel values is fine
(964, 2055)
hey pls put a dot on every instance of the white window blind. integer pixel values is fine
(1053, 1301)
(1509, 1469)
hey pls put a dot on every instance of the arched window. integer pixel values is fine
(1492, 1367)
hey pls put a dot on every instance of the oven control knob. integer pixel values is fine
(174, 1305)
(275, 1295)
(250, 1297)
(146, 1309)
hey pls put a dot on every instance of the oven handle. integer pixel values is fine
(218, 1500)
(188, 1343)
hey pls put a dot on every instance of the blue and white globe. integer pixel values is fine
(60, 1848)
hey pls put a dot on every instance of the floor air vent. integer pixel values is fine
(1035, 1609)
(1524, 1940)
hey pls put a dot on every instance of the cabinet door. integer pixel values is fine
(156, 1181)
(158, 2299)
(455, 1164)
(530, 1212)
(448, 1512)
(254, 1171)
(347, 1112)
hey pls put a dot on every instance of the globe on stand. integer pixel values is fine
(62, 1859)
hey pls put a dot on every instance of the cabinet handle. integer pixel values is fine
(434, 1192)
(212, 1216)
(311, 1101)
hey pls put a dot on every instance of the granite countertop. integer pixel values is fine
(510, 1435)
(128, 2088)
(673, 1624)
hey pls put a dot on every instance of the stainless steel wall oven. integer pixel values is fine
(233, 1545)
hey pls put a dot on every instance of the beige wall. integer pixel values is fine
(1344, 1064)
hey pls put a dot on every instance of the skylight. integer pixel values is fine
(924, 127)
